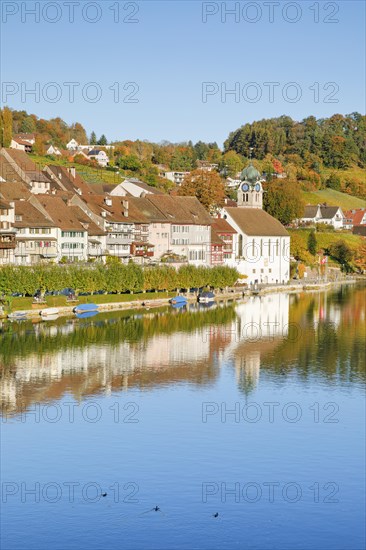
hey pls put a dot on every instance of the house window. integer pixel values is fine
(253, 270)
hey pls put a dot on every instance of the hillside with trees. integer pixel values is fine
(314, 155)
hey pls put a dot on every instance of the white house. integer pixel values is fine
(51, 150)
(100, 156)
(7, 231)
(322, 213)
(175, 177)
(332, 215)
(311, 214)
(36, 236)
(73, 144)
(72, 235)
(135, 188)
(262, 244)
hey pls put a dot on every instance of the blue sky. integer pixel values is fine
(169, 52)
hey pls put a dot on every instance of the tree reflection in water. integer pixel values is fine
(317, 334)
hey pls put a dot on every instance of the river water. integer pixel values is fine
(252, 410)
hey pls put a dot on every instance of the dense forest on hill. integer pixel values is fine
(335, 142)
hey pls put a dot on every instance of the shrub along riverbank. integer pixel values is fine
(115, 278)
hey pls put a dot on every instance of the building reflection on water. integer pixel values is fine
(42, 362)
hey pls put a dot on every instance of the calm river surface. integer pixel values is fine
(253, 410)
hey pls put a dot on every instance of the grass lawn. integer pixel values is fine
(90, 175)
(333, 198)
(324, 240)
(19, 304)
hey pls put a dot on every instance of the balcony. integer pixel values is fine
(127, 240)
(49, 252)
(7, 240)
(142, 250)
(97, 252)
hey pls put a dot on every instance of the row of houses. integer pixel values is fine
(334, 216)
(25, 142)
(54, 215)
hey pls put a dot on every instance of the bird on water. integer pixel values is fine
(155, 509)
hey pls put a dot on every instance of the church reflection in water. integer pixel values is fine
(42, 362)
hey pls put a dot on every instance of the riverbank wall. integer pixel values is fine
(232, 294)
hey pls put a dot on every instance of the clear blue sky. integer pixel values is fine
(169, 52)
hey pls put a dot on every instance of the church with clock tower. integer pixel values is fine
(262, 244)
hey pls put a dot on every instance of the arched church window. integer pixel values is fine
(253, 248)
(269, 247)
(261, 247)
(277, 247)
(240, 251)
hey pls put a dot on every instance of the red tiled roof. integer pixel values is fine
(222, 226)
(356, 215)
(31, 216)
(63, 215)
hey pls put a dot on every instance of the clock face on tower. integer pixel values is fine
(245, 187)
(257, 187)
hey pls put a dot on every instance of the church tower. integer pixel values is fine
(250, 190)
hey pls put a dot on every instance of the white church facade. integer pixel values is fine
(262, 244)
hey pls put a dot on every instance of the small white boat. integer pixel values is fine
(49, 312)
(206, 297)
(17, 316)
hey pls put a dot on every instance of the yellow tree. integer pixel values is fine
(207, 186)
(6, 127)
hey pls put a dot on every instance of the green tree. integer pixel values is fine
(333, 182)
(201, 150)
(93, 139)
(28, 126)
(102, 140)
(283, 201)
(312, 243)
(129, 162)
(341, 252)
(232, 162)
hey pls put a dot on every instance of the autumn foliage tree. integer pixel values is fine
(207, 186)
(6, 127)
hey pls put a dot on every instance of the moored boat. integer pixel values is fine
(206, 297)
(49, 312)
(84, 308)
(17, 315)
(178, 300)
